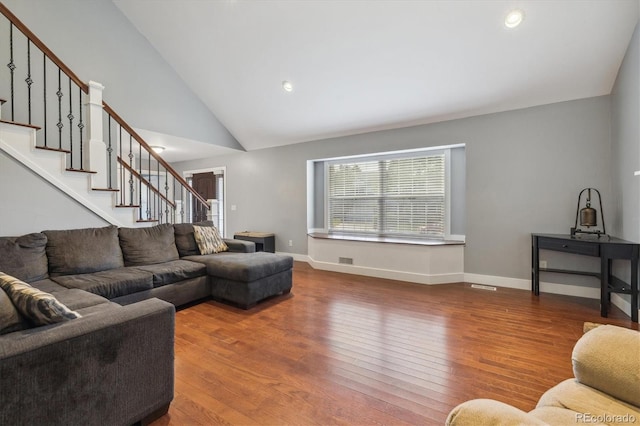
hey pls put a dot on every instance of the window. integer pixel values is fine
(401, 195)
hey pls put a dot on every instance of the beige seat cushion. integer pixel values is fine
(584, 401)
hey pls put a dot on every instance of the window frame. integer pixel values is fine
(418, 153)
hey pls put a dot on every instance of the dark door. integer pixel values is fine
(205, 185)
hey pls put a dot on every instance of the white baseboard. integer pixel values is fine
(387, 273)
(517, 283)
(545, 287)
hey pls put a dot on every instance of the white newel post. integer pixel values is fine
(95, 150)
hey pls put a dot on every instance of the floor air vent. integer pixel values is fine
(483, 287)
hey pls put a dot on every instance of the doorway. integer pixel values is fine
(210, 184)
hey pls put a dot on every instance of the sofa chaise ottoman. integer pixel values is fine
(247, 278)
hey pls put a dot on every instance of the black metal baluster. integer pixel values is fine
(80, 127)
(28, 80)
(12, 66)
(148, 186)
(139, 179)
(59, 94)
(70, 117)
(44, 93)
(181, 204)
(123, 172)
(166, 195)
(158, 206)
(131, 170)
(109, 151)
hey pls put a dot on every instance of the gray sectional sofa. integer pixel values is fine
(114, 364)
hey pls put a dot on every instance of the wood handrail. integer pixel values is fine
(43, 47)
(145, 181)
(85, 88)
(159, 159)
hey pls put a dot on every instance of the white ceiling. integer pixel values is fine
(359, 66)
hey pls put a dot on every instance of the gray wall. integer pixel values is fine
(625, 143)
(98, 43)
(30, 204)
(625, 149)
(524, 171)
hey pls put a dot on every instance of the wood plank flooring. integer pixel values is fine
(353, 350)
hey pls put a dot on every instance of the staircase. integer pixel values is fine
(60, 128)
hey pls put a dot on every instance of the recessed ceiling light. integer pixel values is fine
(287, 86)
(514, 18)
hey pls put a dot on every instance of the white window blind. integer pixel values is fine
(388, 196)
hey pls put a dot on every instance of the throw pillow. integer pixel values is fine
(209, 240)
(39, 307)
(10, 318)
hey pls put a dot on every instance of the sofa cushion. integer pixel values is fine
(111, 283)
(77, 299)
(146, 246)
(209, 240)
(48, 285)
(10, 318)
(174, 271)
(597, 366)
(244, 267)
(82, 251)
(185, 240)
(24, 257)
(38, 307)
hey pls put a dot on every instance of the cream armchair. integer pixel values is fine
(605, 390)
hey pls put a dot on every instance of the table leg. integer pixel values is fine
(634, 285)
(605, 264)
(535, 266)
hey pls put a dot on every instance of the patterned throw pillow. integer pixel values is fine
(10, 318)
(39, 307)
(209, 239)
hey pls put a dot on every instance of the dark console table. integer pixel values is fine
(264, 241)
(606, 248)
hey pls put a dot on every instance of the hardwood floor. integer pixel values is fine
(346, 349)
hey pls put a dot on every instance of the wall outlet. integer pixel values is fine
(543, 263)
(233, 207)
(290, 243)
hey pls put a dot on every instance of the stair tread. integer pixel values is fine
(105, 189)
(127, 205)
(2, 101)
(48, 148)
(70, 169)
(20, 124)
(146, 220)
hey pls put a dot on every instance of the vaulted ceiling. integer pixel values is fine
(363, 65)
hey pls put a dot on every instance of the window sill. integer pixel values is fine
(386, 240)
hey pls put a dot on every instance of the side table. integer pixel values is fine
(264, 241)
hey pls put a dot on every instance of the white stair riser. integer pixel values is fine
(19, 143)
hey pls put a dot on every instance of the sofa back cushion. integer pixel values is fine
(147, 246)
(185, 239)
(24, 257)
(82, 251)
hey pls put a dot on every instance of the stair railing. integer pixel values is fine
(53, 96)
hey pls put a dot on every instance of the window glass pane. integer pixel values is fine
(393, 196)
